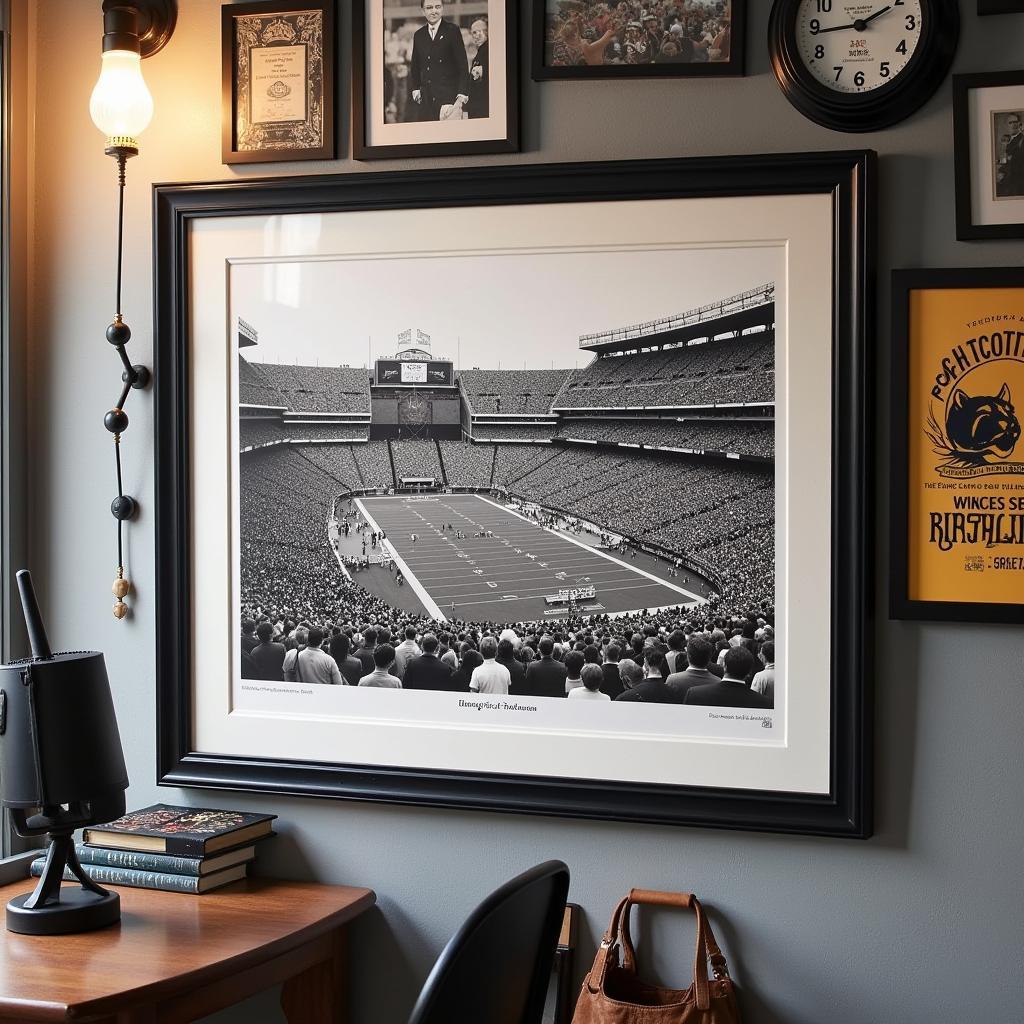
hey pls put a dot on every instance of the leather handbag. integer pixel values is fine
(613, 994)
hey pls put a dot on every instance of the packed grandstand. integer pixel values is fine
(665, 438)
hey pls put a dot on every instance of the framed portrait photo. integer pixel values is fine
(278, 81)
(434, 78)
(958, 458)
(988, 140)
(535, 489)
(634, 39)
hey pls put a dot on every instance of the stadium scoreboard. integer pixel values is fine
(412, 373)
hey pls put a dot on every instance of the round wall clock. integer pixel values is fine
(859, 66)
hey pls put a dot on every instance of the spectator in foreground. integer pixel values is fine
(592, 677)
(267, 656)
(764, 682)
(574, 662)
(351, 668)
(406, 651)
(545, 677)
(471, 660)
(490, 677)
(516, 669)
(698, 654)
(311, 664)
(732, 691)
(613, 684)
(383, 659)
(428, 671)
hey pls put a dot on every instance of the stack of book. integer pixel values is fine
(177, 849)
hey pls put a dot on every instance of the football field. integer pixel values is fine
(505, 576)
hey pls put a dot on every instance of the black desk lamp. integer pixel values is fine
(63, 769)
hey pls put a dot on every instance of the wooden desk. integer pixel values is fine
(175, 958)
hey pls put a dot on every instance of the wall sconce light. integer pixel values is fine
(122, 107)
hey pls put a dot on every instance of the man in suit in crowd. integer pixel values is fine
(652, 690)
(351, 668)
(731, 691)
(545, 677)
(406, 651)
(365, 653)
(516, 669)
(249, 639)
(438, 68)
(268, 657)
(612, 684)
(428, 671)
(698, 655)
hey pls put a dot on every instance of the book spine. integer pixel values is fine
(136, 861)
(125, 876)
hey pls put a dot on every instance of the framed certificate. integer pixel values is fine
(958, 474)
(278, 81)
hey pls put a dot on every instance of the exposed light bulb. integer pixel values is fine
(121, 104)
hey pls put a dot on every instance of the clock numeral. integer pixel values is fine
(824, 6)
(911, 22)
(838, 70)
(897, 3)
(815, 26)
(819, 52)
(858, 79)
(902, 48)
(883, 69)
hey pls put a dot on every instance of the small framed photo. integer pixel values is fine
(988, 131)
(278, 76)
(635, 39)
(434, 78)
(957, 531)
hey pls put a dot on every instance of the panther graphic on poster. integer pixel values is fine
(972, 423)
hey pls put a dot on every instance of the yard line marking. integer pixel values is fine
(602, 554)
(410, 576)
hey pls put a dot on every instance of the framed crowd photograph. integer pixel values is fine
(434, 78)
(278, 81)
(445, 519)
(958, 459)
(988, 144)
(635, 39)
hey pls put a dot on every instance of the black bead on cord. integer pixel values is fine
(123, 507)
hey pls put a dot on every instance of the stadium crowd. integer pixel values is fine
(746, 438)
(591, 32)
(512, 391)
(338, 389)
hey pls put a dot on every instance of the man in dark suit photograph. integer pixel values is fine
(428, 671)
(1010, 171)
(438, 69)
(267, 656)
(479, 71)
(732, 691)
(545, 677)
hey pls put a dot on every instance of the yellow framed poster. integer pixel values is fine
(958, 456)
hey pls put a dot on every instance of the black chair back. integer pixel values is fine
(497, 967)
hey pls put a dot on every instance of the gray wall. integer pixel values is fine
(922, 923)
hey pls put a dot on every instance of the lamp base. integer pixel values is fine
(79, 910)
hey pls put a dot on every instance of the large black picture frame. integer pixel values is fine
(846, 179)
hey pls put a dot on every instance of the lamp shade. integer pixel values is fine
(121, 104)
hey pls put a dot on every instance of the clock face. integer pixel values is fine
(852, 46)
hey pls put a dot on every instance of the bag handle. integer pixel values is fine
(618, 935)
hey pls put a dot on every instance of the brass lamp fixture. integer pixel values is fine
(122, 107)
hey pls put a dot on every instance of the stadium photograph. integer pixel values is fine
(546, 477)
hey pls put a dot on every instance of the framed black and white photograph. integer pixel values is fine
(635, 39)
(278, 81)
(447, 518)
(434, 78)
(988, 126)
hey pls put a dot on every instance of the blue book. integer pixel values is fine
(163, 862)
(150, 879)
